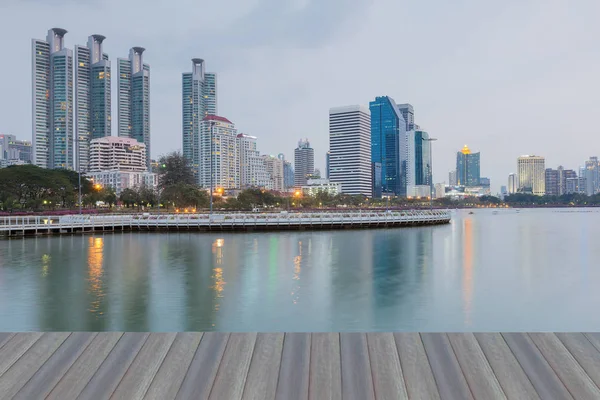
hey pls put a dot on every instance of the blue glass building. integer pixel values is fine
(388, 129)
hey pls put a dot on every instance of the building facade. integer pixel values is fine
(134, 98)
(304, 163)
(408, 114)
(452, 179)
(316, 186)
(199, 99)
(121, 180)
(350, 147)
(388, 130)
(552, 184)
(223, 164)
(117, 153)
(13, 150)
(532, 174)
(275, 173)
(513, 183)
(467, 167)
(253, 172)
(52, 101)
(418, 170)
(592, 176)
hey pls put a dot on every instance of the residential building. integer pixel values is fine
(316, 186)
(199, 99)
(571, 185)
(350, 147)
(304, 162)
(121, 180)
(513, 183)
(503, 192)
(275, 173)
(92, 98)
(552, 178)
(253, 172)
(565, 174)
(52, 101)
(223, 164)
(408, 114)
(452, 178)
(439, 190)
(467, 167)
(134, 98)
(288, 174)
(117, 153)
(418, 171)
(532, 175)
(327, 155)
(592, 176)
(13, 150)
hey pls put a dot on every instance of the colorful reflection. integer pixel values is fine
(467, 283)
(45, 264)
(95, 272)
(217, 249)
(296, 276)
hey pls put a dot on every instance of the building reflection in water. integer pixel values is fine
(45, 264)
(95, 273)
(219, 282)
(296, 275)
(467, 283)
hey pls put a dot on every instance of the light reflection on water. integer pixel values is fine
(531, 270)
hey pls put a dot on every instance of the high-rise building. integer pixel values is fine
(92, 98)
(253, 172)
(564, 174)
(288, 172)
(117, 153)
(408, 114)
(350, 147)
(134, 98)
(503, 192)
(199, 99)
(274, 167)
(14, 150)
(52, 105)
(224, 163)
(467, 167)
(304, 163)
(388, 129)
(572, 185)
(327, 155)
(452, 179)
(552, 182)
(592, 176)
(376, 175)
(513, 184)
(418, 171)
(532, 174)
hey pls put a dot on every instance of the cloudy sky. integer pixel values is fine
(507, 78)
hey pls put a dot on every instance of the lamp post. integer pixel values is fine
(430, 140)
(212, 124)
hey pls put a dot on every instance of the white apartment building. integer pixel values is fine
(253, 172)
(274, 168)
(350, 146)
(112, 153)
(121, 180)
(315, 186)
(532, 174)
(225, 159)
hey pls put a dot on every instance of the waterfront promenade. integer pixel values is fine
(70, 224)
(323, 366)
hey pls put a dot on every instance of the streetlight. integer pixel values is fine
(430, 171)
(212, 124)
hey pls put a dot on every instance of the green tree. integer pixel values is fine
(129, 197)
(174, 169)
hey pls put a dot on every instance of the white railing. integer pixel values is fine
(233, 220)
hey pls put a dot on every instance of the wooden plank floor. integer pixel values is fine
(319, 366)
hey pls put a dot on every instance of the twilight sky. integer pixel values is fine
(507, 78)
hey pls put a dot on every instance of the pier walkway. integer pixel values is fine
(290, 366)
(66, 224)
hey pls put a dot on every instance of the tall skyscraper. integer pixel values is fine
(225, 160)
(199, 99)
(253, 172)
(304, 162)
(274, 167)
(452, 179)
(408, 113)
(52, 101)
(467, 167)
(134, 98)
(552, 184)
(592, 176)
(388, 129)
(532, 174)
(350, 147)
(513, 184)
(288, 172)
(418, 171)
(92, 98)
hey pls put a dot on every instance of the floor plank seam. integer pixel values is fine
(341, 364)
(588, 340)
(189, 366)
(309, 360)
(460, 366)
(370, 366)
(250, 365)
(400, 363)
(21, 356)
(212, 386)
(492, 367)
(591, 342)
(8, 339)
(280, 363)
(437, 385)
(129, 366)
(520, 365)
(158, 369)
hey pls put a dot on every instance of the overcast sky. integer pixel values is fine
(507, 78)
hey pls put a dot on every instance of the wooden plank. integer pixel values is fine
(15, 348)
(388, 382)
(294, 372)
(449, 377)
(82, 371)
(44, 380)
(594, 339)
(579, 384)
(169, 377)
(5, 337)
(357, 381)
(420, 383)
(110, 373)
(584, 352)
(476, 369)
(138, 377)
(263, 374)
(21, 371)
(325, 367)
(541, 375)
(203, 369)
(508, 371)
(233, 370)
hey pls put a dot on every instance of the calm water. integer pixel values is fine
(533, 270)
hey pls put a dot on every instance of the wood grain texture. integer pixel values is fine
(541, 375)
(420, 383)
(584, 352)
(114, 367)
(261, 382)
(357, 379)
(84, 368)
(5, 337)
(594, 339)
(138, 377)
(15, 348)
(294, 372)
(448, 375)
(388, 381)
(565, 366)
(44, 380)
(25, 367)
(169, 377)
(325, 367)
(233, 370)
(476, 369)
(508, 371)
(204, 366)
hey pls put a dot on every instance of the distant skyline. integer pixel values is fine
(492, 76)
